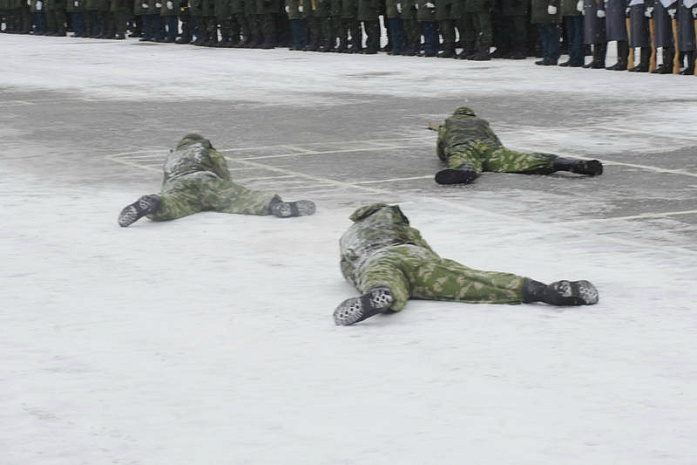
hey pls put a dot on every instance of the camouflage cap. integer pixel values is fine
(466, 111)
(193, 138)
(368, 210)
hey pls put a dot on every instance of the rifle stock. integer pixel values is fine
(652, 31)
(676, 59)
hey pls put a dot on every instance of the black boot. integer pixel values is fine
(342, 46)
(561, 293)
(589, 167)
(482, 53)
(599, 53)
(690, 69)
(377, 300)
(467, 51)
(327, 45)
(463, 175)
(645, 57)
(448, 51)
(283, 209)
(622, 56)
(667, 66)
(143, 206)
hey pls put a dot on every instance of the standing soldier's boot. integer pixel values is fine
(448, 51)
(667, 66)
(342, 46)
(588, 167)
(690, 68)
(482, 53)
(467, 51)
(622, 56)
(561, 293)
(377, 300)
(463, 175)
(599, 52)
(644, 59)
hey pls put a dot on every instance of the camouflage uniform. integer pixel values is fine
(197, 179)
(465, 140)
(381, 249)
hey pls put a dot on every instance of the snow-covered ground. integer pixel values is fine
(209, 340)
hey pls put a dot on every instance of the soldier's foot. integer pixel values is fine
(291, 209)
(588, 167)
(143, 206)
(456, 176)
(571, 293)
(377, 300)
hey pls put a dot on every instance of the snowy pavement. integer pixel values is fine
(209, 339)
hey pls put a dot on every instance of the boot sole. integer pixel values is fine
(451, 176)
(356, 309)
(135, 211)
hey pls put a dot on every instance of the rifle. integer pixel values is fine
(433, 127)
(652, 32)
(630, 57)
(676, 60)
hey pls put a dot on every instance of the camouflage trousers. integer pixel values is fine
(206, 192)
(413, 272)
(485, 157)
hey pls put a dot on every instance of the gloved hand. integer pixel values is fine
(648, 12)
(627, 12)
(416, 6)
(430, 5)
(76, 3)
(600, 13)
(671, 12)
(694, 11)
(551, 10)
(287, 8)
(579, 6)
(300, 8)
(170, 5)
(39, 6)
(145, 6)
(158, 5)
(399, 8)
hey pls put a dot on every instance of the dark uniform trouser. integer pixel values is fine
(484, 157)
(477, 27)
(205, 191)
(415, 272)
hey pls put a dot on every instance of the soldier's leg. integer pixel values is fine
(387, 270)
(181, 198)
(503, 160)
(464, 164)
(447, 30)
(227, 197)
(372, 32)
(443, 279)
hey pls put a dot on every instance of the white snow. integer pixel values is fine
(209, 340)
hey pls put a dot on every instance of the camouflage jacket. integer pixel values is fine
(192, 157)
(461, 129)
(375, 228)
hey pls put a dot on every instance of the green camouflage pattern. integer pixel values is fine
(465, 139)
(381, 249)
(196, 178)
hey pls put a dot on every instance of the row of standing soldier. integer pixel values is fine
(428, 27)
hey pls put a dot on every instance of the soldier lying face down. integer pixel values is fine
(196, 178)
(389, 263)
(469, 146)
